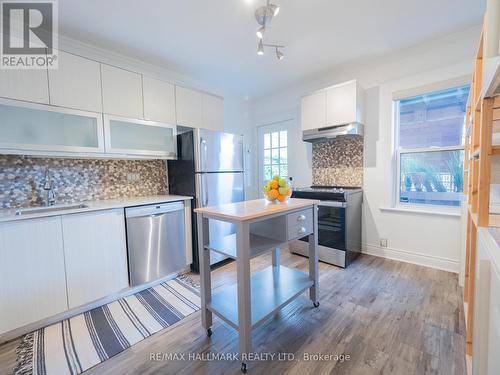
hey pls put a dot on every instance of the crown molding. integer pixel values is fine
(99, 54)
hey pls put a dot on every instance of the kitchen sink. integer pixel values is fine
(39, 210)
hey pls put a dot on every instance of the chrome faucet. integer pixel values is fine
(48, 186)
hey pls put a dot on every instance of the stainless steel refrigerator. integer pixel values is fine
(209, 167)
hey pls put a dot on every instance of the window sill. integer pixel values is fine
(420, 211)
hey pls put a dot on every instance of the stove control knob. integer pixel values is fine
(301, 230)
(301, 218)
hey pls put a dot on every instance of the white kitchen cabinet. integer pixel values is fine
(189, 107)
(95, 255)
(212, 112)
(139, 137)
(32, 276)
(76, 83)
(30, 127)
(159, 100)
(121, 92)
(29, 85)
(25, 84)
(313, 111)
(344, 104)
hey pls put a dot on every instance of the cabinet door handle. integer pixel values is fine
(205, 184)
(301, 217)
(301, 230)
(153, 216)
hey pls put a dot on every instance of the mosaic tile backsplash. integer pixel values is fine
(76, 180)
(338, 162)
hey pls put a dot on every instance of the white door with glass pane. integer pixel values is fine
(273, 151)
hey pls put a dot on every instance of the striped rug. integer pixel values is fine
(79, 343)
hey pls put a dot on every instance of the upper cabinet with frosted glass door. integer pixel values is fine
(30, 128)
(139, 114)
(74, 109)
(57, 111)
(128, 136)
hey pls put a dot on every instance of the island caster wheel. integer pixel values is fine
(316, 304)
(209, 332)
(244, 368)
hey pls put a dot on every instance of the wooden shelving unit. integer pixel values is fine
(482, 144)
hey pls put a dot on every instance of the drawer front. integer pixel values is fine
(301, 230)
(301, 218)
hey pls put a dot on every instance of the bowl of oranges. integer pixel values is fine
(277, 190)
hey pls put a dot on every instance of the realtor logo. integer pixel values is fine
(29, 34)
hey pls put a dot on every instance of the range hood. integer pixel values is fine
(330, 132)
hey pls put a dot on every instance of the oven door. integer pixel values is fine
(331, 225)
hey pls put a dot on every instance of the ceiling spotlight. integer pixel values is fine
(274, 8)
(260, 32)
(260, 48)
(279, 54)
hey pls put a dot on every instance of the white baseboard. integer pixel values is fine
(440, 263)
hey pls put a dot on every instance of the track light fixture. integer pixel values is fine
(275, 10)
(261, 45)
(279, 54)
(264, 15)
(260, 32)
(260, 48)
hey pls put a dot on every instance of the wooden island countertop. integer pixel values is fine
(253, 209)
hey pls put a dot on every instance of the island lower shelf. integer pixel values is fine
(271, 289)
(226, 245)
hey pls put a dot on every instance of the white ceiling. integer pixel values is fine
(214, 40)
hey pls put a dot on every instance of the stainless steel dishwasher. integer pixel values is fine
(156, 241)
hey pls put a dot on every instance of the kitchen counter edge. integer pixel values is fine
(8, 215)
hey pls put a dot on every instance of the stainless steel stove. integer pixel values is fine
(326, 189)
(339, 223)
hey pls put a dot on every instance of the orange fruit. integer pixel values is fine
(273, 194)
(274, 184)
(281, 198)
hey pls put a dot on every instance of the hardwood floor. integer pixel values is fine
(388, 317)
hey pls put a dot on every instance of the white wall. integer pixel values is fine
(419, 238)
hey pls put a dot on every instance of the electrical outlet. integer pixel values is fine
(133, 177)
(383, 242)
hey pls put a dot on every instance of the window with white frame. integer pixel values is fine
(275, 160)
(429, 147)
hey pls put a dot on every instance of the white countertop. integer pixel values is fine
(10, 214)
